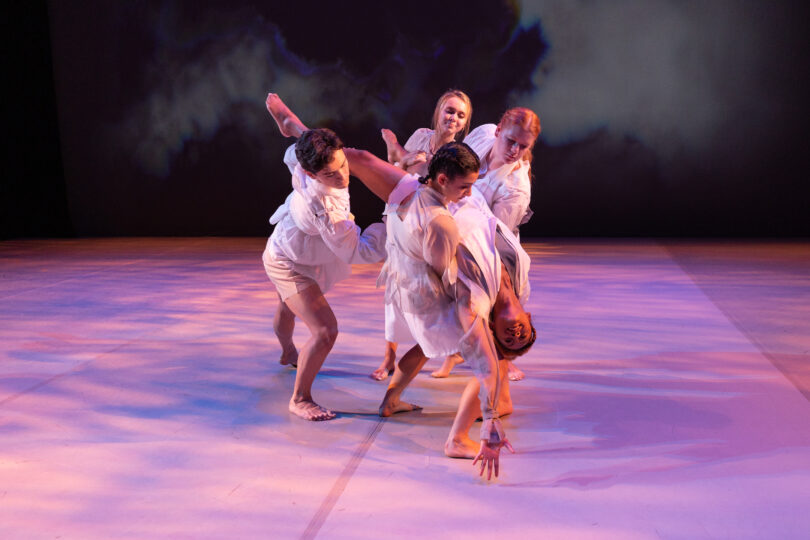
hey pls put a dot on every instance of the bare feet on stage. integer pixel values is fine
(309, 410)
(289, 357)
(463, 447)
(449, 363)
(515, 374)
(393, 149)
(387, 366)
(391, 408)
(288, 123)
(381, 373)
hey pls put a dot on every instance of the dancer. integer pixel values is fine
(314, 242)
(504, 180)
(505, 151)
(451, 122)
(493, 272)
(421, 280)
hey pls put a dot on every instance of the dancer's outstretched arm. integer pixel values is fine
(288, 124)
(378, 176)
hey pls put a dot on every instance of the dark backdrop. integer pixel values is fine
(659, 117)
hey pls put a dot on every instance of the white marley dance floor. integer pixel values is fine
(141, 397)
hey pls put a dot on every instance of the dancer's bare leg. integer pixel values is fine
(447, 366)
(377, 175)
(515, 374)
(459, 444)
(311, 307)
(387, 366)
(394, 150)
(288, 124)
(283, 326)
(505, 405)
(409, 365)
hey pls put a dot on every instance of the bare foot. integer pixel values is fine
(394, 150)
(381, 373)
(388, 409)
(449, 363)
(514, 372)
(288, 124)
(309, 410)
(464, 448)
(289, 357)
(387, 366)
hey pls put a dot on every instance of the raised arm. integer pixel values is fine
(377, 175)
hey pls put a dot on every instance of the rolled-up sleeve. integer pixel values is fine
(345, 239)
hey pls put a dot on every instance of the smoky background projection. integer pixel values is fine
(659, 117)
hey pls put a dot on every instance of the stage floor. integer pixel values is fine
(141, 397)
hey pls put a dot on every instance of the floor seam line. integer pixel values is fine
(340, 484)
(733, 320)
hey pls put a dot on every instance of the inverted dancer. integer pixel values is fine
(504, 180)
(451, 122)
(312, 247)
(424, 291)
(493, 271)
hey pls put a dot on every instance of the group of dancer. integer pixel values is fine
(455, 275)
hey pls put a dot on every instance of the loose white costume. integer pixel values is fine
(506, 189)
(486, 247)
(420, 259)
(420, 142)
(315, 237)
(449, 312)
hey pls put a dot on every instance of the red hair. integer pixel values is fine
(526, 120)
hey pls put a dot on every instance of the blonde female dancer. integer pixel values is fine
(314, 242)
(451, 122)
(504, 180)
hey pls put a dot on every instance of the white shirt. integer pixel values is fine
(506, 189)
(315, 233)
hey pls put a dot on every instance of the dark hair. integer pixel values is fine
(316, 147)
(511, 354)
(452, 159)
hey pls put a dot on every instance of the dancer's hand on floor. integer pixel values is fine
(489, 455)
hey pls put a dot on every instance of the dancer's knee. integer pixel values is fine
(326, 334)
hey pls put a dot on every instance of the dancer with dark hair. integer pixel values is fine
(493, 284)
(451, 122)
(504, 180)
(313, 245)
(430, 300)
(424, 292)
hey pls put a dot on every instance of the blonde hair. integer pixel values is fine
(525, 119)
(440, 104)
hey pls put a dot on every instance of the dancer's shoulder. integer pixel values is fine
(419, 141)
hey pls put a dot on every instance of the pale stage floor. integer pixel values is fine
(141, 397)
